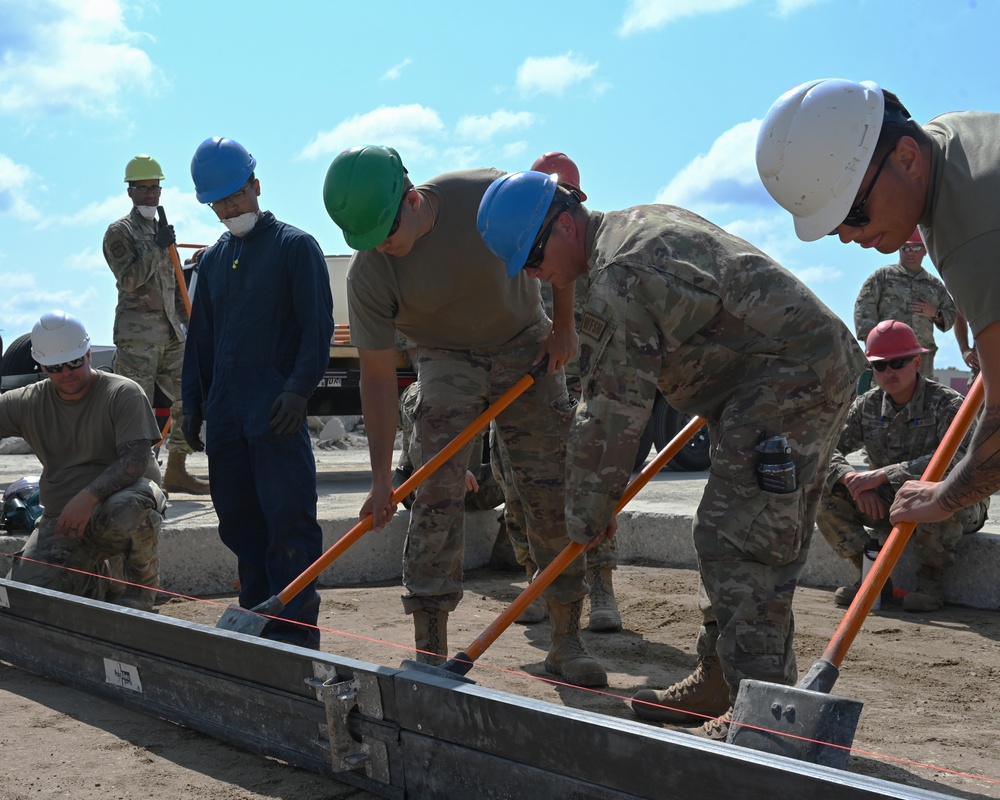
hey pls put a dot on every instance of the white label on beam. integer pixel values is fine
(124, 676)
(4, 600)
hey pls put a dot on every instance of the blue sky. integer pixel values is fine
(656, 100)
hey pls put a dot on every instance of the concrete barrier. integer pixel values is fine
(655, 528)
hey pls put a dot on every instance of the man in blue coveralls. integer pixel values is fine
(258, 344)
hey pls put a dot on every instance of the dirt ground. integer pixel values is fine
(929, 683)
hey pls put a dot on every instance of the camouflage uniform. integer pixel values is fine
(457, 386)
(150, 319)
(903, 442)
(887, 294)
(127, 522)
(606, 553)
(489, 495)
(680, 306)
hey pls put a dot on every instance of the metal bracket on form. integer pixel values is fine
(341, 697)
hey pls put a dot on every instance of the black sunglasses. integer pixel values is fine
(399, 214)
(76, 363)
(911, 248)
(895, 363)
(537, 252)
(856, 217)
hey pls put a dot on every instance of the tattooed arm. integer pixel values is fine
(133, 458)
(978, 474)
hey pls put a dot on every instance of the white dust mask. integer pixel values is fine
(243, 224)
(149, 212)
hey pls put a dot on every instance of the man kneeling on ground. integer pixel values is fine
(899, 425)
(92, 432)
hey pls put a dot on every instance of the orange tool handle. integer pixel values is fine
(893, 549)
(574, 549)
(341, 546)
(179, 273)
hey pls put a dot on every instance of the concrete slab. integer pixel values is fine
(654, 529)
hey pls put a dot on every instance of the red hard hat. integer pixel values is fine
(564, 167)
(915, 238)
(892, 339)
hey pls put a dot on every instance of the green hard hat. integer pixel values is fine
(143, 168)
(362, 191)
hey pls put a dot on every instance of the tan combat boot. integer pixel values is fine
(703, 693)
(716, 729)
(430, 628)
(604, 614)
(178, 479)
(845, 595)
(929, 595)
(536, 611)
(568, 655)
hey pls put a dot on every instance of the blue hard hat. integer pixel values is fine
(511, 213)
(220, 167)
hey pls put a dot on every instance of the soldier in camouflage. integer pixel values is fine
(150, 319)
(421, 269)
(899, 425)
(680, 306)
(906, 292)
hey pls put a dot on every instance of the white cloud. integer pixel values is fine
(554, 74)
(819, 274)
(486, 127)
(25, 300)
(178, 205)
(89, 260)
(514, 151)
(393, 73)
(726, 175)
(404, 127)
(68, 55)
(645, 15)
(13, 179)
(100, 212)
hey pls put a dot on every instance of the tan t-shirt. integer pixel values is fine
(77, 440)
(449, 291)
(961, 223)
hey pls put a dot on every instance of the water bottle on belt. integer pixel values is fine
(775, 468)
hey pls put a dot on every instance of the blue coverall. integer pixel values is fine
(261, 324)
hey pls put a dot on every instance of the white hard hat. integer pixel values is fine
(58, 337)
(813, 148)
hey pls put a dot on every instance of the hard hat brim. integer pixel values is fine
(823, 223)
(369, 240)
(60, 358)
(919, 351)
(225, 190)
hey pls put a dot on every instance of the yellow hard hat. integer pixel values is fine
(143, 168)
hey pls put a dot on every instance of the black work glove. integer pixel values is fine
(165, 236)
(288, 413)
(191, 428)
